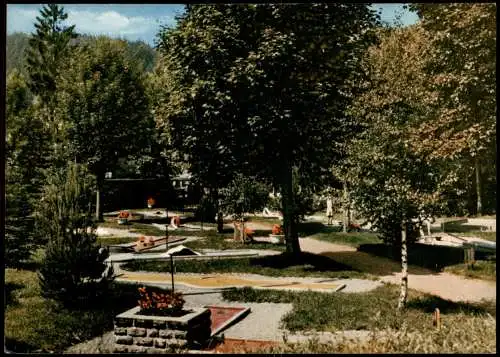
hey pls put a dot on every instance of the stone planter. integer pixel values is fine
(137, 333)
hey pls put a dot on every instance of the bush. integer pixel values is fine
(244, 195)
(73, 269)
(207, 209)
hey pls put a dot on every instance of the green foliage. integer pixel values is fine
(391, 182)
(105, 105)
(73, 269)
(244, 195)
(25, 158)
(34, 324)
(47, 48)
(460, 70)
(461, 66)
(207, 208)
(16, 45)
(253, 84)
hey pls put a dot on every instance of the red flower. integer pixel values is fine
(123, 214)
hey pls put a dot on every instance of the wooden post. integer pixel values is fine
(437, 319)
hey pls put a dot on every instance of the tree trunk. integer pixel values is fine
(345, 209)
(289, 224)
(236, 233)
(220, 222)
(242, 231)
(404, 268)
(98, 210)
(478, 186)
(98, 205)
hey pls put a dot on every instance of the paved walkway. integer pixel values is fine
(445, 285)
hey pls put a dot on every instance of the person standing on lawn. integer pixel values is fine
(329, 210)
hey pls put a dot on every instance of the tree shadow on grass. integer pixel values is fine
(310, 262)
(9, 288)
(428, 303)
(311, 228)
(430, 257)
(372, 264)
(15, 346)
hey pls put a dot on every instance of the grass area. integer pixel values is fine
(335, 235)
(371, 310)
(308, 265)
(482, 269)
(214, 240)
(353, 239)
(35, 324)
(469, 335)
(491, 236)
(105, 241)
(135, 227)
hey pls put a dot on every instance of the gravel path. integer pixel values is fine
(317, 246)
(262, 323)
(445, 285)
(449, 286)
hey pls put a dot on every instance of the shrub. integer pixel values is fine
(73, 269)
(244, 195)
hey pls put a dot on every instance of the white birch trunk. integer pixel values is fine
(98, 205)
(478, 187)
(346, 209)
(404, 268)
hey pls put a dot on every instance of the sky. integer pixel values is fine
(134, 21)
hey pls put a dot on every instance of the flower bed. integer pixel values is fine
(138, 333)
(123, 217)
(160, 324)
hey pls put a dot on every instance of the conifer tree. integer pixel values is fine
(73, 270)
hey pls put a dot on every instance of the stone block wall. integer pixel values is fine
(161, 334)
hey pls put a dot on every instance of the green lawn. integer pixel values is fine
(332, 234)
(309, 265)
(371, 310)
(221, 241)
(105, 241)
(33, 323)
(353, 239)
(136, 227)
(491, 236)
(482, 269)
(468, 335)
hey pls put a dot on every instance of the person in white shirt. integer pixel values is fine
(329, 210)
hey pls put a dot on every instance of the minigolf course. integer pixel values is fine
(203, 281)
